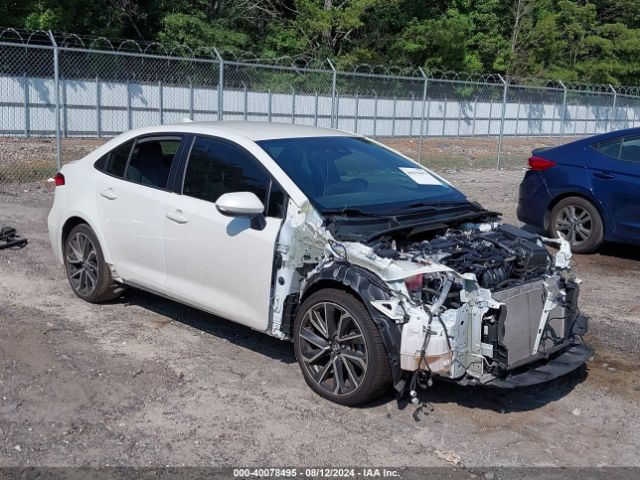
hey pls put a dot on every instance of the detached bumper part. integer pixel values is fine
(546, 370)
(9, 238)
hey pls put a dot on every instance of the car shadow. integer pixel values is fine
(497, 400)
(442, 392)
(211, 324)
(620, 250)
(608, 249)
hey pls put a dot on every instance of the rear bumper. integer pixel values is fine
(533, 199)
(545, 370)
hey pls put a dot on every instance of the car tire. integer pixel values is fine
(343, 359)
(577, 220)
(88, 274)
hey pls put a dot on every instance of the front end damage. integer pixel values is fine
(475, 303)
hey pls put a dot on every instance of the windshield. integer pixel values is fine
(341, 173)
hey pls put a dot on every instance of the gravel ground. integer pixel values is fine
(146, 381)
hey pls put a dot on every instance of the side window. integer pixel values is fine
(610, 148)
(630, 150)
(151, 161)
(114, 162)
(216, 167)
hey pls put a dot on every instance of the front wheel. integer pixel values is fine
(340, 349)
(578, 221)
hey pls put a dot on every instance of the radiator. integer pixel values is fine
(524, 305)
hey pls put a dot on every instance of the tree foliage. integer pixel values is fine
(588, 40)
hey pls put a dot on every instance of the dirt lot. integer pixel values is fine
(145, 381)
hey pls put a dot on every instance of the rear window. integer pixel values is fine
(151, 161)
(610, 148)
(114, 162)
(630, 150)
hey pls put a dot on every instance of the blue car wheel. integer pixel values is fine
(578, 221)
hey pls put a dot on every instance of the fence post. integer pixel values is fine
(502, 118)
(27, 116)
(220, 84)
(444, 118)
(355, 119)
(475, 110)
(315, 118)
(64, 107)
(375, 113)
(613, 108)
(424, 105)
(459, 118)
(333, 92)
(413, 98)
(56, 74)
(161, 102)
(393, 119)
(293, 105)
(129, 116)
(269, 107)
(98, 107)
(246, 101)
(190, 100)
(563, 111)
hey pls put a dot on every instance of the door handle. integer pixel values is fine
(604, 175)
(109, 194)
(177, 216)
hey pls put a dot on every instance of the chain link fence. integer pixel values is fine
(60, 95)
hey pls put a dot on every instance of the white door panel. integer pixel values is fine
(132, 222)
(219, 263)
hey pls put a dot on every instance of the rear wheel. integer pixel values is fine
(578, 221)
(88, 274)
(339, 348)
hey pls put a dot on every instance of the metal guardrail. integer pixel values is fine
(64, 86)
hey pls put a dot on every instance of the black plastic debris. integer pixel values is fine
(9, 238)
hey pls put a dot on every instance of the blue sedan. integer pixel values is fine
(587, 191)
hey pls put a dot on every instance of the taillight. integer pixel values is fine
(539, 163)
(59, 179)
(414, 284)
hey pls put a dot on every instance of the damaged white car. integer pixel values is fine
(380, 272)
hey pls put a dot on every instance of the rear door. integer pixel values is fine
(216, 262)
(615, 181)
(130, 200)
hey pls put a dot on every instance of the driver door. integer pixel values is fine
(215, 262)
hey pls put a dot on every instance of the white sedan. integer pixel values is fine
(378, 270)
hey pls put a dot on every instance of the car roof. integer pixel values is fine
(256, 131)
(607, 135)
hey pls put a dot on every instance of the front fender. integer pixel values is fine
(367, 286)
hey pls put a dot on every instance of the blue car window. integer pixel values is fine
(630, 150)
(610, 148)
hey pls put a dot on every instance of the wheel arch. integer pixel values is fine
(589, 198)
(365, 286)
(76, 219)
(69, 225)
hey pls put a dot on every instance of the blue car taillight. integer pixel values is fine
(539, 163)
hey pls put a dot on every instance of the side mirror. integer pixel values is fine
(242, 204)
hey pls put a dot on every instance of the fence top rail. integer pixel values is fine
(380, 76)
(138, 55)
(292, 68)
(25, 46)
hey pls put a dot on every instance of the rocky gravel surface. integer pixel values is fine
(146, 381)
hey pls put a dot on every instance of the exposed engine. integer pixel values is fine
(499, 258)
